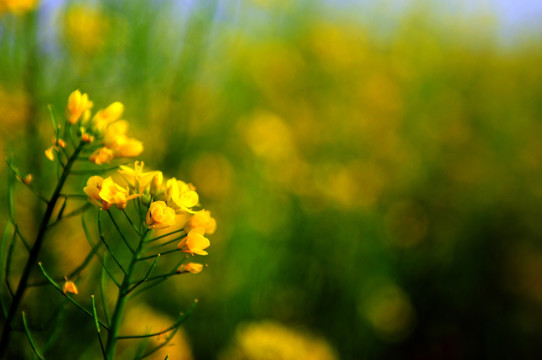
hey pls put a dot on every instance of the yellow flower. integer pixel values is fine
(107, 116)
(94, 185)
(181, 196)
(115, 138)
(114, 131)
(101, 156)
(49, 153)
(156, 183)
(17, 6)
(194, 268)
(87, 138)
(77, 104)
(160, 215)
(136, 178)
(112, 193)
(201, 220)
(194, 243)
(27, 179)
(69, 287)
(127, 147)
(106, 193)
(58, 142)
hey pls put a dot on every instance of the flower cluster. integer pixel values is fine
(106, 126)
(163, 203)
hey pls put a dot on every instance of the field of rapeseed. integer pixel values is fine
(266, 179)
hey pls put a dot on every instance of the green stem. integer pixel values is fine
(121, 301)
(33, 257)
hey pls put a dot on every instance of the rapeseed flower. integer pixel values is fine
(107, 193)
(107, 116)
(160, 215)
(69, 287)
(194, 243)
(102, 156)
(181, 196)
(201, 220)
(78, 104)
(193, 268)
(136, 178)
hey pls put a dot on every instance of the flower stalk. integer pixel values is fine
(34, 251)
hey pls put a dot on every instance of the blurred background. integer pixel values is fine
(374, 167)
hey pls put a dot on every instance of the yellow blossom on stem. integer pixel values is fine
(160, 215)
(194, 243)
(49, 153)
(127, 147)
(115, 138)
(27, 179)
(201, 220)
(101, 156)
(59, 142)
(156, 183)
(106, 193)
(107, 116)
(69, 287)
(112, 193)
(181, 196)
(194, 268)
(77, 105)
(94, 185)
(87, 138)
(136, 178)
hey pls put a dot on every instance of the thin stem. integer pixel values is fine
(155, 255)
(102, 296)
(102, 238)
(149, 272)
(97, 324)
(130, 221)
(120, 232)
(166, 243)
(121, 301)
(58, 288)
(33, 257)
(180, 320)
(29, 336)
(163, 236)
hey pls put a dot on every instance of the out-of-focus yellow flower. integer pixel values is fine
(87, 138)
(69, 287)
(77, 105)
(160, 215)
(17, 6)
(142, 318)
(156, 183)
(194, 268)
(181, 196)
(27, 179)
(272, 340)
(106, 193)
(115, 138)
(136, 178)
(201, 220)
(194, 243)
(127, 147)
(86, 28)
(102, 155)
(107, 116)
(49, 153)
